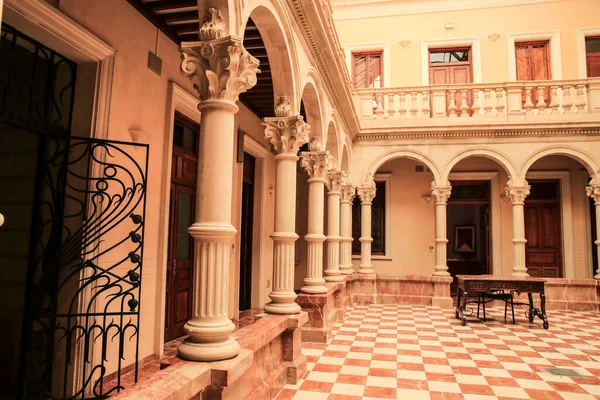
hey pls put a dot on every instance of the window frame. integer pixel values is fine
(582, 34)
(554, 49)
(368, 54)
(530, 44)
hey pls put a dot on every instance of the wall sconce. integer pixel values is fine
(404, 43)
(427, 198)
(505, 198)
(449, 25)
(493, 37)
(271, 192)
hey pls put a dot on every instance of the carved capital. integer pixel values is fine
(316, 164)
(594, 190)
(366, 192)
(348, 192)
(517, 194)
(314, 144)
(213, 26)
(441, 192)
(334, 182)
(286, 134)
(283, 108)
(220, 68)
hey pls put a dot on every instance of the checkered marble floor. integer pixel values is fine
(418, 352)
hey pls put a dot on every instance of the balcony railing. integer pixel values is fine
(476, 103)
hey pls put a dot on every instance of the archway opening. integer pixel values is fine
(332, 144)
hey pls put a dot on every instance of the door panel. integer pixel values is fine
(543, 234)
(246, 231)
(593, 65)
(533, 64)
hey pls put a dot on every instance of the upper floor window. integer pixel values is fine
(592, 56)
(533, 61)
(367, 69)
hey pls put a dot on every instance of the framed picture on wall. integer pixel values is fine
(464, 239)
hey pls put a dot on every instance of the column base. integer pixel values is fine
(282, 308)
(347, 270)
(366, 269)
(441, 272)
(214, 351)
(597, 276)
(519, 273)
(313, 289)
(333, 275)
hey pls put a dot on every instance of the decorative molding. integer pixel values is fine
(348, 193)
(593, 190)
(283, 108)
(286, 134)
(367, 190)
(404, 43)
(517, 194)
(335, 180)
(220, 68)
(493, 37)
(441, 193)
(317, 164)
(213, 26)
(314, 144)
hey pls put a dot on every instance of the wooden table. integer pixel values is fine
(472, 285)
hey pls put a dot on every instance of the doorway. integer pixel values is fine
(543, 230)
(469, 228)
(246, 231)
(594, 236)
(180, 259)
(451, 66)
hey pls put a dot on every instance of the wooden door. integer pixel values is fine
(180, 259)
(543, 231)
(592, 50)
(448, 67)
(533, 64)
(594, 236)
(245, 301)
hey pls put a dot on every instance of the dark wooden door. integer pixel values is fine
(543, 231)
(180, 260)
(592, 53)
(533, 64)
(246, 233)
(594, 236)
(446, 67)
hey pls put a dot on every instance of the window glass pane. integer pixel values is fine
(543, 191)
(378, 220)
(184, 136)
(356, 225)
(184, 220)
(592, 45)
(449, 56)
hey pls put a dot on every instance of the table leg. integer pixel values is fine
(543, 316)
(456, 310)
(531, 313)
(464, 308)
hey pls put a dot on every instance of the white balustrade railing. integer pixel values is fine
(504, 100)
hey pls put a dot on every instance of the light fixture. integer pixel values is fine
(427, 198)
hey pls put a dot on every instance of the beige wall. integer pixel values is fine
(564, 16)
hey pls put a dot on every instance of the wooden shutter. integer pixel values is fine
(592, 49)
(367, 70)
(533, 64)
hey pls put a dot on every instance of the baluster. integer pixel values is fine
(413, 104)
(528, 104)
(541, 104)
(379, 98)
(580, 104)
(567, 102)
(452, 106)
(401, 106)
(425, 110)
(464, 105)
(499, 101)
(553, 100)
(487, 101)
(476, 107)
(391, 110)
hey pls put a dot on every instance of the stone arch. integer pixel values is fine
(346, 157)
(279, 45)
(583, 157)
(332, 144)
(405, 153)
(486, 152)
(312, 106)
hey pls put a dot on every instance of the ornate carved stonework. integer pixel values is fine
(220, 68)
(283, 108)
(594, 190)
(366, 192)
(335, 179)
(517, 194)
(348, 192)
(213, 26)
(314, 144)
(441, 192)
(286, 134)
(316, 164)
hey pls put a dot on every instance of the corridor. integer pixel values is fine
(421, 353)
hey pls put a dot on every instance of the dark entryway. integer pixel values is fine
(180, 261)
(246, 233)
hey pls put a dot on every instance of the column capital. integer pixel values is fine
(287, 133)
(517, 194)
(316, 163)
(593, 190)
(366, 191)
(334, 182)
(219, 67)
(348, 192)
(441, 192)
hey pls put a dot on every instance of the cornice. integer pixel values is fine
(316, 24)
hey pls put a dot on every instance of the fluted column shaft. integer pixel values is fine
(348, 193)
(517, 195)
(441, 193)
(316, 164)
(594, 192)
(210, 329)
(286, 134)
(366, 193)
(334, 183)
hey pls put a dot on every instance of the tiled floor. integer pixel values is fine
(414, 353)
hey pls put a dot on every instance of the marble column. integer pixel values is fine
(441, 193)
(316, 163)
(517, 195)
(220, 69)
(366, 193)
(334, 194)
(348, 194)
(287, 133)
(594, 192)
